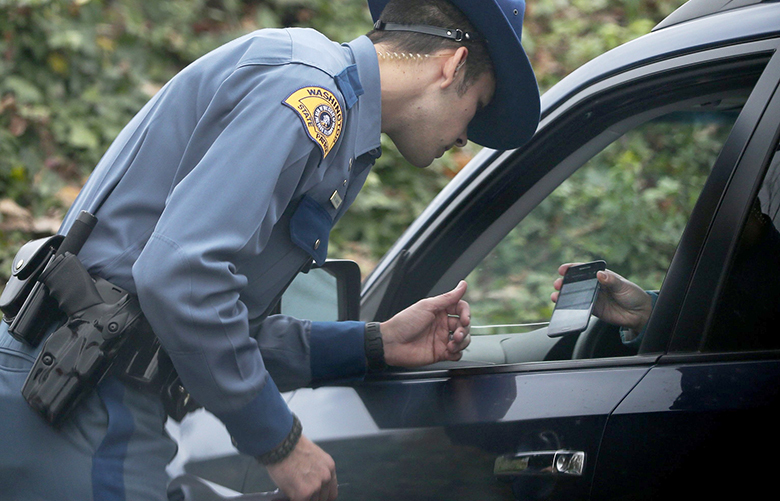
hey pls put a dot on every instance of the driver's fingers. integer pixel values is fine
(564, 267)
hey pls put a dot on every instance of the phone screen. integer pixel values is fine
(575, 300)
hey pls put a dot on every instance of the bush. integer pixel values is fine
(73, 73)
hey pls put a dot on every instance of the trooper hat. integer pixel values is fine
(512, 116)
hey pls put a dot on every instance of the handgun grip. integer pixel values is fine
(70, 284)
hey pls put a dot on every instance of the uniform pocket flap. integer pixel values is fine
(310, 227)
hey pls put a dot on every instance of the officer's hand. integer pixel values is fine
(620, 301)
(308, 473)
(431, 330)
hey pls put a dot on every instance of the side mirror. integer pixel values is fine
(328, 293)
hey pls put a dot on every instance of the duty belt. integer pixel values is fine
(100, 330)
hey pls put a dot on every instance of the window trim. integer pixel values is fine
(450, 369)
(740, 170)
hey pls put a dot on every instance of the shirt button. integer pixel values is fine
(317, 244)
(345, 182)
(350, 163)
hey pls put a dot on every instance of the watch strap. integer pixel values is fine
(375, 351)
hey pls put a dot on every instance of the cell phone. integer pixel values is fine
(576, 299)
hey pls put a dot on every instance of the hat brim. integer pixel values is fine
(512, 116)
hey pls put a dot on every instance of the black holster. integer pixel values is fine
(100, 330)
(105, 333)
(101, 319)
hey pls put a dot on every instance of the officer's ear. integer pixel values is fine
(450, 69)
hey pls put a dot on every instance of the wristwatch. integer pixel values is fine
(375, 351)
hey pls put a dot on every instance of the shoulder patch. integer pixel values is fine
(320, 113)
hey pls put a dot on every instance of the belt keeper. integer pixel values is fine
(284, 449)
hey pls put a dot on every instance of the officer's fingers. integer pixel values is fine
(461, 318)
(454, 351)
(456, 339)
(322, 494)
(554, 296)
(330, 489)
(449, 301)
(334, 489)
(459, 340)
(464, 313)
(461, 344)
(558, 283)
(453, 322)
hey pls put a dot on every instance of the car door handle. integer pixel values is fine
(562, 462)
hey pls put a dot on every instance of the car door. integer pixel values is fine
(705, 415)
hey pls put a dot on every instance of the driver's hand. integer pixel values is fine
(620, 301)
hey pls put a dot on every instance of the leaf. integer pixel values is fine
(81, 137)
(24, 90)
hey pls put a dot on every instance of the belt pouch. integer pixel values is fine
(25, 270)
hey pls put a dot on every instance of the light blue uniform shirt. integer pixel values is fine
(219, 191)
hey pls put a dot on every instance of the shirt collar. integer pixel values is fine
(369, 105)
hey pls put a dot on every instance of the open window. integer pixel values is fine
(624, 193)
(628, 204)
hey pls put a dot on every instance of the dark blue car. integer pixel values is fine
(692, 410)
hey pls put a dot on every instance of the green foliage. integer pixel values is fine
(562, 35)
(73, 73)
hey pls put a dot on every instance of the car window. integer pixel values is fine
(627, 205)
(748, 310)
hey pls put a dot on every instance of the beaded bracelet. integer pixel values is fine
(278, 454)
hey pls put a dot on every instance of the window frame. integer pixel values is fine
(709, 244)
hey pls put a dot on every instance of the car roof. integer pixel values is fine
(694, 9)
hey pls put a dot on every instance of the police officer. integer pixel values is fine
(220, 190)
